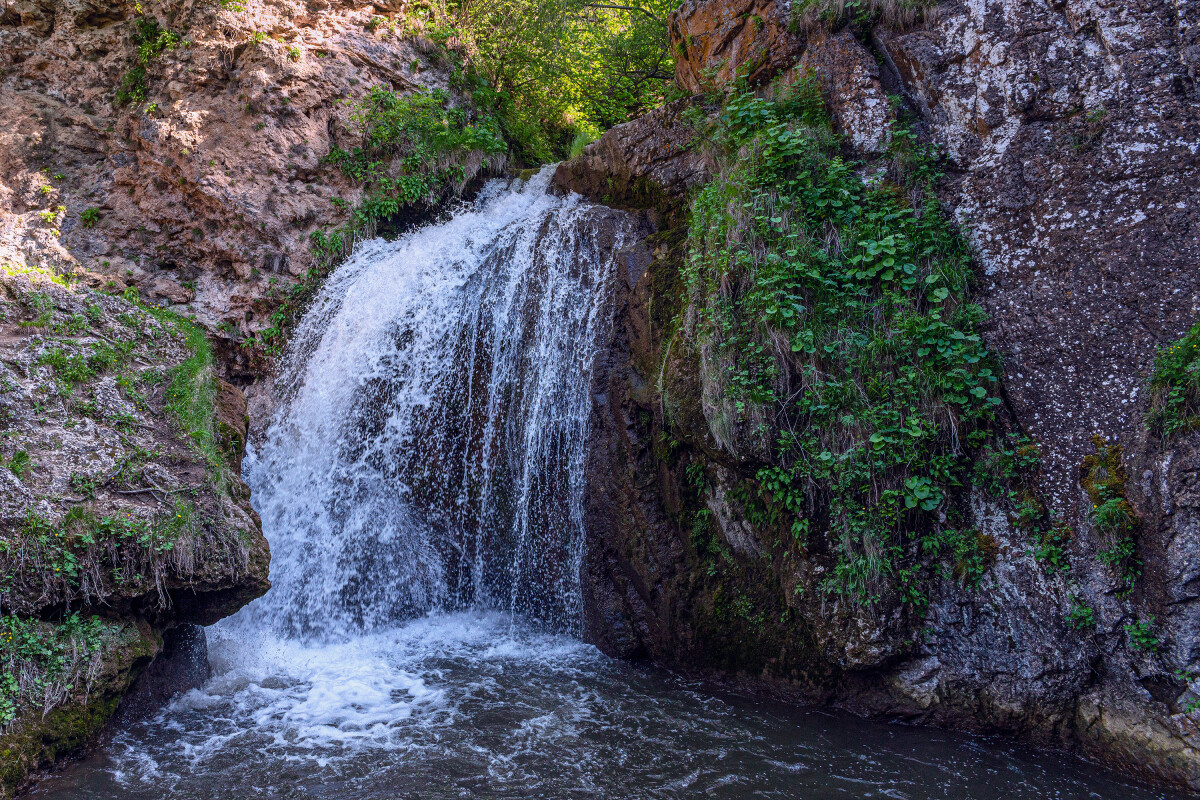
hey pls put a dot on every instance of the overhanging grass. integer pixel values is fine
(192, 390)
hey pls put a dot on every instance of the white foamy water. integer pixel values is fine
(421, 488)
(475, 705)
(429, 455)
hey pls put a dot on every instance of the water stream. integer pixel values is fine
(421, 487)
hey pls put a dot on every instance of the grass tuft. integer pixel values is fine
(1175, 387)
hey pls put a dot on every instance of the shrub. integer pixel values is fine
(431, 139)
(1175, 386)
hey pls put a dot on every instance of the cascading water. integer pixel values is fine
(430, 454)
(421, 487)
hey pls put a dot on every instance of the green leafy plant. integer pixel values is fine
(70, 369)
(1081, 615)
(1141, 635)
(150, 40)
(20, 464)
(831, 314)
(1175, 386)
(84, 484)
(68, 556)
(42, 664)
(1050, 549)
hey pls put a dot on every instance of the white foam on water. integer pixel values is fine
(381, 691)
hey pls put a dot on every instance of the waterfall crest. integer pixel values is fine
(428, 454)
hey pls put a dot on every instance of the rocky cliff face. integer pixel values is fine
(1069, 131)
(122, 516)
(176, 146)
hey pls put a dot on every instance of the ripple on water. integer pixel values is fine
(473, 705)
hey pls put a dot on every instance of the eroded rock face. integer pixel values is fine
(1075, 127)
(207, 190)
(110, 507)
(1070, 131)
(717, 40)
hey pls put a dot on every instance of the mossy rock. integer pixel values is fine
(34, 741)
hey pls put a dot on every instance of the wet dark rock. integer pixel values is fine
(180, 666)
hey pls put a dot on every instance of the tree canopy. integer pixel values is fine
(559, 71)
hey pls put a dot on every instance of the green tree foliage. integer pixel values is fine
(553, 69)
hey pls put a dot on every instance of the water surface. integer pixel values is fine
(470, 705)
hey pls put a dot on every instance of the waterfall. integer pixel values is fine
(428, 453)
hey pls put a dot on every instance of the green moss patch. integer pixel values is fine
(1102, 475)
